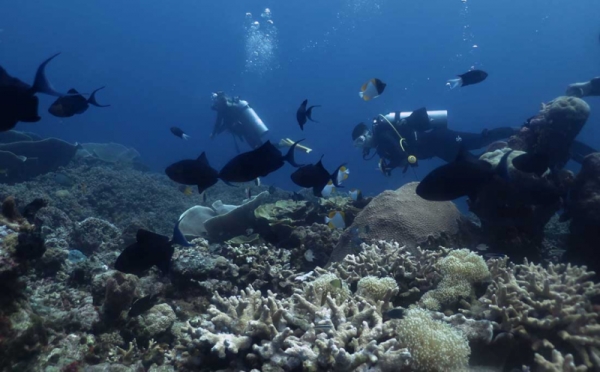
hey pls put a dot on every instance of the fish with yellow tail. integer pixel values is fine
(343, 174)
(372, 89)
(327, 190)
(336, 220)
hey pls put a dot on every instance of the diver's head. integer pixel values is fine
(219, 100)
(362, 137)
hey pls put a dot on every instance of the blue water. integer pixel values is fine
(160, 61)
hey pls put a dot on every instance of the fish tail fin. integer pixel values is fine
(178, 237)
(334, 176)
(454, 83)
(309, 113)
(22, 158)
(185, 136)
(41, 83)
(92, 99)
(289, 157)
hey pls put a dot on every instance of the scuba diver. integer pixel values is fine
(238, 118)
(401, 139)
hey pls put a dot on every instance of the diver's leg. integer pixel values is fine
(580, 150)
(446, 143)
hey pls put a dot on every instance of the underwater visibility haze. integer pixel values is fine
(344, 185)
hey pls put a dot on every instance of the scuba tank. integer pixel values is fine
(254, 128)
(234, 111)
(437, 118)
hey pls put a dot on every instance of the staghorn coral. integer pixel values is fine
(413, 269)
(300, 331)
(559, 363)
(549, 307)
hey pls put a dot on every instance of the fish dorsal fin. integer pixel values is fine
(145, 236)
(202, 158)
(380, 85)
(72, 91)
(289, 157)
(41, 83)
(334, 176)
(178, 237)
(463, 155)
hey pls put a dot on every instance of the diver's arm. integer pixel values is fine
(219, 124)
(389, 149)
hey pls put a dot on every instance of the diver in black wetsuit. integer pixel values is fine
(238, 118)
(401, 141)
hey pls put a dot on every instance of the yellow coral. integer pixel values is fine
(375, 288)
(460, 269)
(328, 283)
(434, 345)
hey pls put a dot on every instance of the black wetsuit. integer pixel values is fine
(442, 143)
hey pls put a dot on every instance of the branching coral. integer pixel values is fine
(550, 307)
(311, 329)
(413, 269)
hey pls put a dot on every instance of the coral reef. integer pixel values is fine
(546, 309)
(404, 217)
(460, 271)
(553, 129)
(434, 345)
(269, 299)
(584, 210)
(93, 234)
(514, 214)
(36, 157)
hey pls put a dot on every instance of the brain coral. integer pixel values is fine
(404, 217)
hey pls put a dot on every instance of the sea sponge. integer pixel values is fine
(434, 345)
(460, 269)
(10, 210)
(375, 288)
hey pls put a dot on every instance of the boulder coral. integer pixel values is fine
(404, 217)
